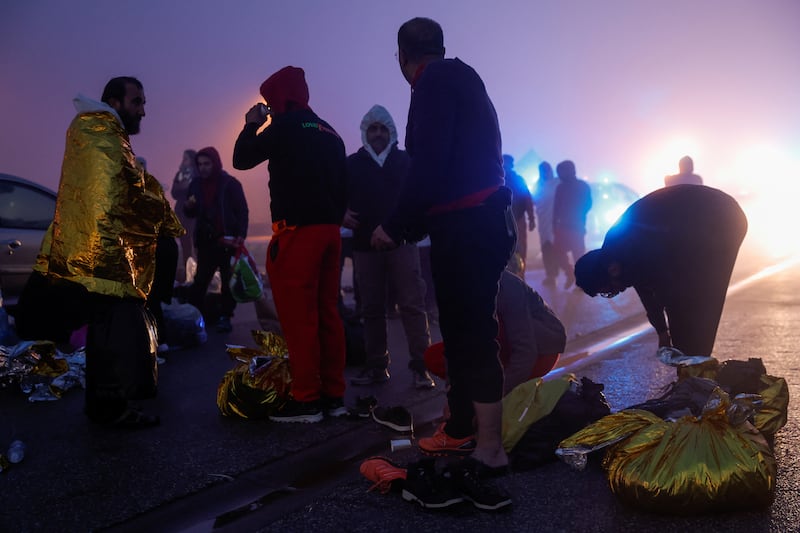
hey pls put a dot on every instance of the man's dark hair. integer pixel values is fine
(117, 87)
(420, 37)
(591, 272)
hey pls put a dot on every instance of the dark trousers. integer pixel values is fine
(120, 356)
(211, 257)
(469, 250)
(550, 259)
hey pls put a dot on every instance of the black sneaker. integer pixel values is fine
(224, 325)
(333, 407)
(431, 490)
(294, 411)
(397, 418)
(469, 477)
(364, 407)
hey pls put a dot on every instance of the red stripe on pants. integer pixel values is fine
(303, 269)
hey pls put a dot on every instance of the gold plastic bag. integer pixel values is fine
(694, 465)
(773, 413)
(606, 432)
(259, 383)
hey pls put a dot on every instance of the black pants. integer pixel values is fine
(163, 281)
(469, 250)
(211, 257)
(120, 356)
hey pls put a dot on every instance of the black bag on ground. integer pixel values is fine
(737, 377)
(690, 394)
(574, 411)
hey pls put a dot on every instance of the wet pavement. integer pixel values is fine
(200, 471)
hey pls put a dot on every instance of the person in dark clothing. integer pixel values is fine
(521, 207)
(572, 203)
(455, 191)
(544, 197)
(677, 247)
(375, 177)
(307, 201)
(187, 172)
(216, 201)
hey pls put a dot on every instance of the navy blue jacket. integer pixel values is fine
(453, 138)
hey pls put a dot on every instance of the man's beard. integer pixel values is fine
(130, 121)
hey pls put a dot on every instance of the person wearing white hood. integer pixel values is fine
(102, 243)
(376, 175)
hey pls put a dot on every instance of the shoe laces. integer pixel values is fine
(382, 473)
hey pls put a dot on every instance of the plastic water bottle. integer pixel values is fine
(16, 451)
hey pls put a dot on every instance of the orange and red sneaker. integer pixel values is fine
(384, 474)
(443, 444)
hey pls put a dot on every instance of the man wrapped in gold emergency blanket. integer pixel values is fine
(714, 462)
(259, 383)
(107, 246)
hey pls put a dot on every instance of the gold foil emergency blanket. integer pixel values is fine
(259, 383)
(694, 465)
(606, 432)
(42, 372)
(106, 239)
(773, 411)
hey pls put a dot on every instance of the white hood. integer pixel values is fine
(379, 114)
(84, 104)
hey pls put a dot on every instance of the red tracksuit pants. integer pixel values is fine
(303, 269)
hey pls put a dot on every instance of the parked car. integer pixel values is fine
(26, 210)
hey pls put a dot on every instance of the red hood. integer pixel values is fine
(211, 153)
(286, 85)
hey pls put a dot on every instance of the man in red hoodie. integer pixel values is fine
(217, 202)
(307, 168)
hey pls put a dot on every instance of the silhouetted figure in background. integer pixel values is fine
(521, 206)
(187, 172)
(677, 247)
(572, 203)
(543, 198)
(686, 176)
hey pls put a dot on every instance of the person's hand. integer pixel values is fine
(350, 220)
(381, 241)
(256, 114)
(664, 339)
(531, 223)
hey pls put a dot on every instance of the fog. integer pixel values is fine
(623, 88)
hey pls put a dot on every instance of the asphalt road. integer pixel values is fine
(200, 471)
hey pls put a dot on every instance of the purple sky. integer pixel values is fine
(623, 88)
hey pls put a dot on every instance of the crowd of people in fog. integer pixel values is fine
(438, 232)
